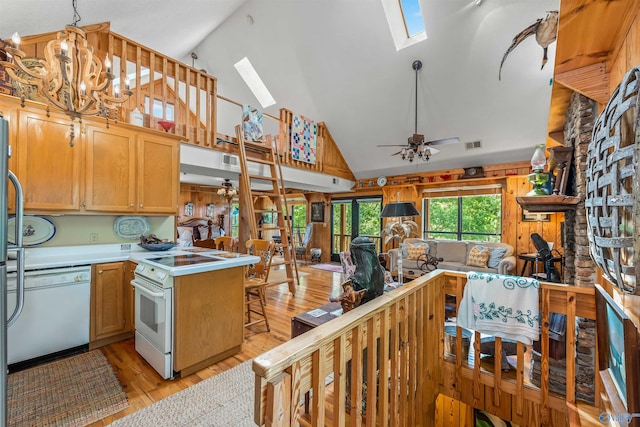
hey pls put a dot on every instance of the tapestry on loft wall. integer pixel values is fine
(303, 139)
(252, 123)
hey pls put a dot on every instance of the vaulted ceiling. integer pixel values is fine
(335, 61)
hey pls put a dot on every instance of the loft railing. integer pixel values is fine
(166, 89)
(388, 357)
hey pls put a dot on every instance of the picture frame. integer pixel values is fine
(317, 212)
(535, 216)
(267, 218)
(188, 209)
(210, 210)
(618, 360)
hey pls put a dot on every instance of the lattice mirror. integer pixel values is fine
(610, 175)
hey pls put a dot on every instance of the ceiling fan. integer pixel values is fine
(416, 146)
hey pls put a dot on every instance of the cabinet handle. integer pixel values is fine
(100, 272)
(141, 205)
(131, 205)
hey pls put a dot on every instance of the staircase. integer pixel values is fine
(253, 152)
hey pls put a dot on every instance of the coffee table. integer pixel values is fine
(308, 320)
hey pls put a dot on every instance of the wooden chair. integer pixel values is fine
(257, 280)
(226, 243)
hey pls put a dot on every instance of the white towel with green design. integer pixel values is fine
(502, 306)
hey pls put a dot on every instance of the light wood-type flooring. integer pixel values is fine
(144, 386)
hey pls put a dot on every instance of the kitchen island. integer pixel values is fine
(189, 304)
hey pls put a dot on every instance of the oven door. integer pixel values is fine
(153, 307)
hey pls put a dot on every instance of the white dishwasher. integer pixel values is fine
(55, 315)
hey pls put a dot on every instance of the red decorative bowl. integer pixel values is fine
(166, 125)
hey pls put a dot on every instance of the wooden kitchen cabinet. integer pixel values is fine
(208, 318)
(116, 169)
(110, 169)
(108, 302)
(48, 167)
(158, 174)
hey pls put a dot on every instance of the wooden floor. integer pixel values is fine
(144, 386)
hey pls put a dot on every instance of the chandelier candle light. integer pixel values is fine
(69, 77)
(227, 190)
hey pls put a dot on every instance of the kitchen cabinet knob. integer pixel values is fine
(131, 205)
(141, 205)
(100, 272)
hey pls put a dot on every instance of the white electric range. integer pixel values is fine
(153, 282)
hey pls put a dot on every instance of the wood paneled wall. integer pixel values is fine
(201, 197)
(628, 56)
(321, 235)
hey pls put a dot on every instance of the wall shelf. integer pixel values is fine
(548, 203)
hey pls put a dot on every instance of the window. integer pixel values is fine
(476, 217)
(299, 225)
(235, 220)
(405, 22)
(412, 17)
(157, 109)
(255, 83)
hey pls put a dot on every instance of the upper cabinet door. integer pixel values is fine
(110, 169)
(48, 167)
(158, 174)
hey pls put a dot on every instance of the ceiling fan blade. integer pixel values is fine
(445, 141)
(395, 154)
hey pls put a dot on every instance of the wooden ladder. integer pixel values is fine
(268, 156)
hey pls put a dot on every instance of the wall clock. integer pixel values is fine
(382, 181)
(473, 172)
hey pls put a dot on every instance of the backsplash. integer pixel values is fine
(98, 229)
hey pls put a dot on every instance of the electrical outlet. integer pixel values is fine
(93, 237)
(125, 247)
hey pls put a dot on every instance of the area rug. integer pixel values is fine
(75, 391)
(223, 400)
(329, 267)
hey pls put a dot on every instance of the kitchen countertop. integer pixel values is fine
(66, 256)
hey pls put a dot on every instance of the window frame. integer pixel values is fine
(459, 233)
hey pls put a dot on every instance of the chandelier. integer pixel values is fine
(227, 189)
(69, 77)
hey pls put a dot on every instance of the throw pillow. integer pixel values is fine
(478, 257)
(414, 251)
(496, 256)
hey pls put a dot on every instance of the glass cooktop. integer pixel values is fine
(182, 260)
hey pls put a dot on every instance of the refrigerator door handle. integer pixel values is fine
(19, 289)
(20, 250)
(19, 210)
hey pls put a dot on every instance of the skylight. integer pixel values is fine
(405, 22)
(412, 17)
(253, 80)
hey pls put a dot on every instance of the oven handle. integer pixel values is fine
(146, 290)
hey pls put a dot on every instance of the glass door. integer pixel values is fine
(352, 218)
(341, 232)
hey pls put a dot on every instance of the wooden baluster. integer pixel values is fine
(152, 86)
(339, 380)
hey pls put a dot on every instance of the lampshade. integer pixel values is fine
(399, 209)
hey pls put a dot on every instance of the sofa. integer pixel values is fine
(455, 255)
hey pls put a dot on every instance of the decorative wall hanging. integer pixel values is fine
(610, 174)
(545, 30)
(303, 139)
(252, 124)
(317, 212)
